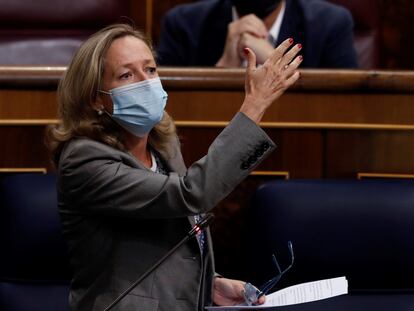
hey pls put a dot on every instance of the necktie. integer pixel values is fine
(200, 235)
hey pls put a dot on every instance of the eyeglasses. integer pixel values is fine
(252, 294)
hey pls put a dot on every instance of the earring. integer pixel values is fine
(100, 112)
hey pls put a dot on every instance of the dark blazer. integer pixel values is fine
(120, 218)
(194, 34)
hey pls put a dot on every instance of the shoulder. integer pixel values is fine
(194, 10)
(82, 146)
(317, 10)
(200, 13)
(80, 151)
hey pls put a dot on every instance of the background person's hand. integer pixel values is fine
(229, 292)
(265, 84)
(260, 46)
(250, 24)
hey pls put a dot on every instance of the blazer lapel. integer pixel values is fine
(292, 24)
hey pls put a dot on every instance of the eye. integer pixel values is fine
(125, 76)
(151, 70)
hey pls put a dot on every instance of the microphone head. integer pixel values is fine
(203, 223)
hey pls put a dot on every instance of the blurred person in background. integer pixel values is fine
(215, 32)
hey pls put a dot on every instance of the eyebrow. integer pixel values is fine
(145, 62)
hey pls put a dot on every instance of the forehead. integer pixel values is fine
(127, 49)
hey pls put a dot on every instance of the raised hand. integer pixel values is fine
(265, 84)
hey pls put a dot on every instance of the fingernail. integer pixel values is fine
(300, 57)
(246, 51)
(290, 40)
(299, 46)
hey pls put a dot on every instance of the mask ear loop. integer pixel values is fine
(103, 110)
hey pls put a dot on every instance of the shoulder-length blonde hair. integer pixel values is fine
(78, 90)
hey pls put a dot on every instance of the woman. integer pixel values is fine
(125, 196)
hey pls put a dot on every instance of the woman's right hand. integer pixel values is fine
(265, 84)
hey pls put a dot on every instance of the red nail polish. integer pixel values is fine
(290, 40)
(299, 46)
(246, 51)
(300, 57)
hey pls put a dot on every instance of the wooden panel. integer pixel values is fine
(384, 176)
(323, 126)
(23, 147)
(350, 152)
(299, 152)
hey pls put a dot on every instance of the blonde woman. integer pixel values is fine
(125, 195)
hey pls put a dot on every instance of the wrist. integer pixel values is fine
(252, 111)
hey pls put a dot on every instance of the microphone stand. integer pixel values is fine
(204, 222)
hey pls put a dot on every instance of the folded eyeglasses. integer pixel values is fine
(252, 293)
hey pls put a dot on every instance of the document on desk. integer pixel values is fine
(301, 293)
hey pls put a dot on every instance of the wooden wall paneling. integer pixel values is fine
(139, 12)
(23, 147)
(298, 152)
(351, 152)
(28, 105)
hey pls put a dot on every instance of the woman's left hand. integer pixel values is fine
(228, 292)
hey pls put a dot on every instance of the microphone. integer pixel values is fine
(200, 225)
(203, 223)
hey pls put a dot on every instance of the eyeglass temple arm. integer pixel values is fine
(272, 282)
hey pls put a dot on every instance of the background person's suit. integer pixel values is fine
(195, 34)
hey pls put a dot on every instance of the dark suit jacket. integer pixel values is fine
(120, 218)
(194, 34)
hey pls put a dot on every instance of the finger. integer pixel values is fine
(254, 24)
(251, 60)
(287, 58)
(292, 79)
(290, 68)
(278, 53)
(261, 300)
(254, 31)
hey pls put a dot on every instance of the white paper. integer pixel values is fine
(301, 293)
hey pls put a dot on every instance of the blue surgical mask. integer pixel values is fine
(138, 107)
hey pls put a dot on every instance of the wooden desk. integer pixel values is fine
(330, 124)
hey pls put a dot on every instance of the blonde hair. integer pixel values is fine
(78, 89)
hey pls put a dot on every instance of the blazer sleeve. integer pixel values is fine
(92, 179)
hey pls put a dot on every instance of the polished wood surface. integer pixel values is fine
(345, 122)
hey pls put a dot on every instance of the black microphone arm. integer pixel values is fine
(203, 223)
